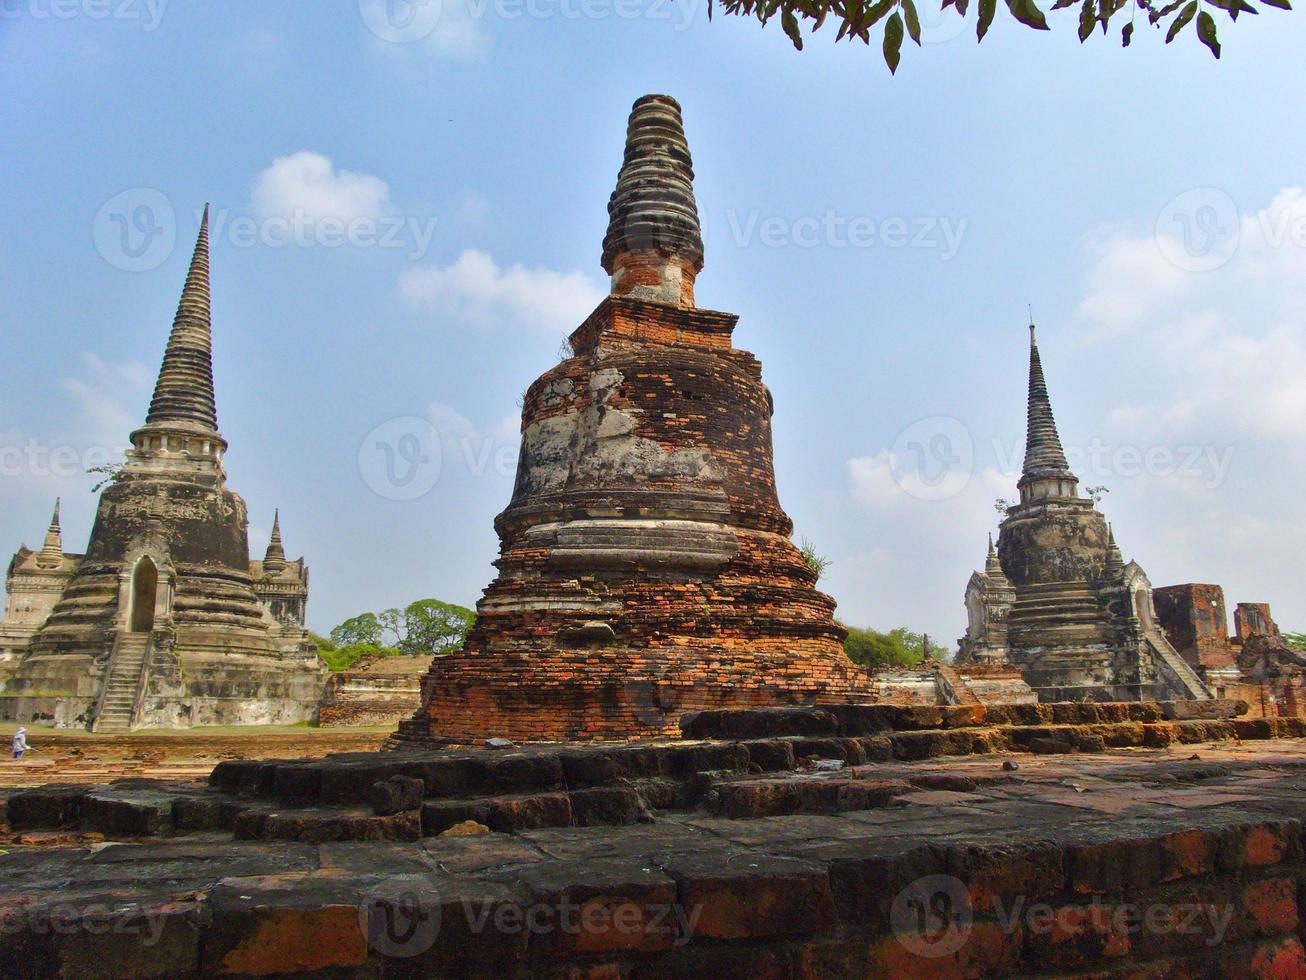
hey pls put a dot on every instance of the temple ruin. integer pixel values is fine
(165, 621)
(646, 566)
(1056, 597)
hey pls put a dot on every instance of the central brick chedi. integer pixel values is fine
(646, 567)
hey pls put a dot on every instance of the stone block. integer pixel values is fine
(762, 897)
(47, 807)
(601, 907)
(284, 924)
(607, 806)
(127, 813)
(397, 794)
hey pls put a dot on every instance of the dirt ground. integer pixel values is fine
(60, 755)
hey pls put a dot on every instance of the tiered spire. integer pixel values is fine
(1115, 562)
(52, 549)
(1045, 460)
(993, 565)
(183, 394)
(652, 213)
(275, 559)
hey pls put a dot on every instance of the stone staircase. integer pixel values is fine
(1176, 671)
(1058, 606)
(121, 684)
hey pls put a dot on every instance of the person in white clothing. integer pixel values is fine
(20, 743)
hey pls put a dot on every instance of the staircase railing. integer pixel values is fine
(1175, 669)
(142, 681)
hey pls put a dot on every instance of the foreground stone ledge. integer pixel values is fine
(1139, 863)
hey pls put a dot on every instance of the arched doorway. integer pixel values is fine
(145, 589)
(1143, 607)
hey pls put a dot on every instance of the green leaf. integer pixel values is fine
(961, 6)
(1028, 14)
(790, 23)
(987, 8)
(1206, 32)
(1181, 21)
(1127, 35)
(1281, 4)
(1235, 7)
(913, 21)
(893, 42)
(1063, 4)
(874, 15)
(1087, 18)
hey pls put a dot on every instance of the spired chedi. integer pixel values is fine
(1056, 597)
(646, 568)
(164, 621)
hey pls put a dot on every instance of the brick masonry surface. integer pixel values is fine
(761, 855)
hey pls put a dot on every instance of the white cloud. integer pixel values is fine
(476, 290)
(1230, 342)
(308, 184)
(103, 403)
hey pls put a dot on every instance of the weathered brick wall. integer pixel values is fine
(1196, 623)
(646, 566)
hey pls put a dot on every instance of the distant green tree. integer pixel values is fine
(1295, 640)
(392, 621)
(363, 628)
(897, 648)
(434, 627)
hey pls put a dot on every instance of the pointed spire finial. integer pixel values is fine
(184, 391)
(275, 558)
(653, 248)
(1045, 460)
(52, 548)
(991, 550)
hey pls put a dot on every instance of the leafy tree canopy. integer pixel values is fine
(897, 648)
(426, 627)
(363, 628)
(893, 21)
(1295, 640)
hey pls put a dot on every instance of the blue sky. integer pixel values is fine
(879, 236)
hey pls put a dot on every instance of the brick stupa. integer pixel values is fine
(646, 567)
